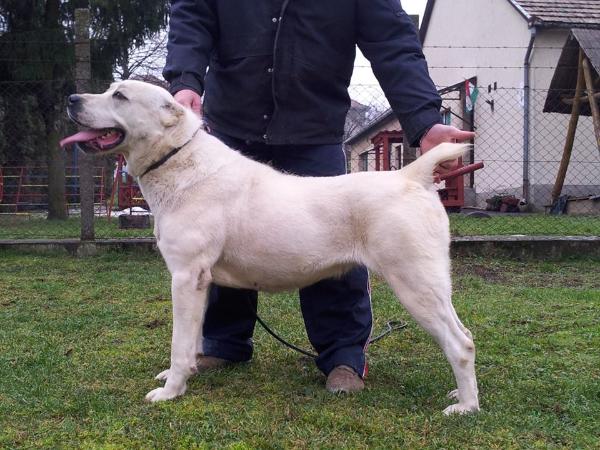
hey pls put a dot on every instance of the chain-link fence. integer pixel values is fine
(519, 191)
(32, 121)
(497, 118)
(520, 188)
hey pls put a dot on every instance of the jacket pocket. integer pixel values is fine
(242, 47)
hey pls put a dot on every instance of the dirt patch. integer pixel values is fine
(488, 273)
(155, 324)
(555, 275)
(156, 298)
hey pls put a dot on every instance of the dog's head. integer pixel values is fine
(130, 117)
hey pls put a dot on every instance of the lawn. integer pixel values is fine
(81, 339)
(34, 227)
(526, 224)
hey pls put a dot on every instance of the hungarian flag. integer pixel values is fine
(472, 92)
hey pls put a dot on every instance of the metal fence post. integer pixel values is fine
(83, 75)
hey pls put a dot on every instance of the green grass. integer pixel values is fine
(81, 339)
(32, 227)
(26, 227)
(527, 224)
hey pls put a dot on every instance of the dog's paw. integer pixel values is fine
(163, 393)
(459, 408)
(453, 395)
(163, 375)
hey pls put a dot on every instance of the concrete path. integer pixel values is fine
(517, 246)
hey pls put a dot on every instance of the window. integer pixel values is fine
(447, 116)
(363, 161)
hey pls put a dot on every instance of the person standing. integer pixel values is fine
(274, 75)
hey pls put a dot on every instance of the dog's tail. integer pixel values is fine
(421, 170)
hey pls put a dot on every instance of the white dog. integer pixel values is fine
(221, 217)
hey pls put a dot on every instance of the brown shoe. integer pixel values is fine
(204, 363)
(344, 380)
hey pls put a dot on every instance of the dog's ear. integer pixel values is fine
(170, 113)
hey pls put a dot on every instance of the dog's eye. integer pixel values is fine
(119, 96)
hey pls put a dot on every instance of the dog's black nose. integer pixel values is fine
(74, 99)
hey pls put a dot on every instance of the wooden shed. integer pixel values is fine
(575, 90)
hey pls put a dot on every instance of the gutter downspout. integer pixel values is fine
(526, 111)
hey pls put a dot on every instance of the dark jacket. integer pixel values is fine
(279, 69)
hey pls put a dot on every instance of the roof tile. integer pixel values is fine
(569, 12)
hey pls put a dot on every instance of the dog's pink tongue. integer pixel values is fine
(82, 136)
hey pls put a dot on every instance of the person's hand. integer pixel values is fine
(189, 99)
(443, 133)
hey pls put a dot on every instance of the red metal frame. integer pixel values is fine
(462, 171)
(28, 193)
(20, 185)
(382, 143)
(452, 195)
(127, 190)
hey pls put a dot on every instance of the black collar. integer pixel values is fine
(168, 156)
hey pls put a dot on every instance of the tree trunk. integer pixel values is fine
(57, 207)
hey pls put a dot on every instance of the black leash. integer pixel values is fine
(284, 342)
(391, 326)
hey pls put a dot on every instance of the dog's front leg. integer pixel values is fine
(189, 292)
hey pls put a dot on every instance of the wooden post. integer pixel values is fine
(566, 157)
(409, 154)
(589, 85)
(83, 75)
(387, 153)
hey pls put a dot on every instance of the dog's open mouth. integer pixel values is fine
(96, 140)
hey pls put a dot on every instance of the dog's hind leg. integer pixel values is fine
(189, 292)
(424, 288)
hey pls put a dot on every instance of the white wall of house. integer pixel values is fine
(549, 130)
(475, 31)
(464, 24)
(488, 39)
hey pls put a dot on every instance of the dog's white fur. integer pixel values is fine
(221, 217)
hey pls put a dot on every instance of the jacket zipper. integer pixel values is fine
(275, 45)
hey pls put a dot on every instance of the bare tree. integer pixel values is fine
(144, 61)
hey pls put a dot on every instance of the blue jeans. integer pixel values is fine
(337, 312)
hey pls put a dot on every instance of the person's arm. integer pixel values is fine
(389, 40)
(192, 34)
